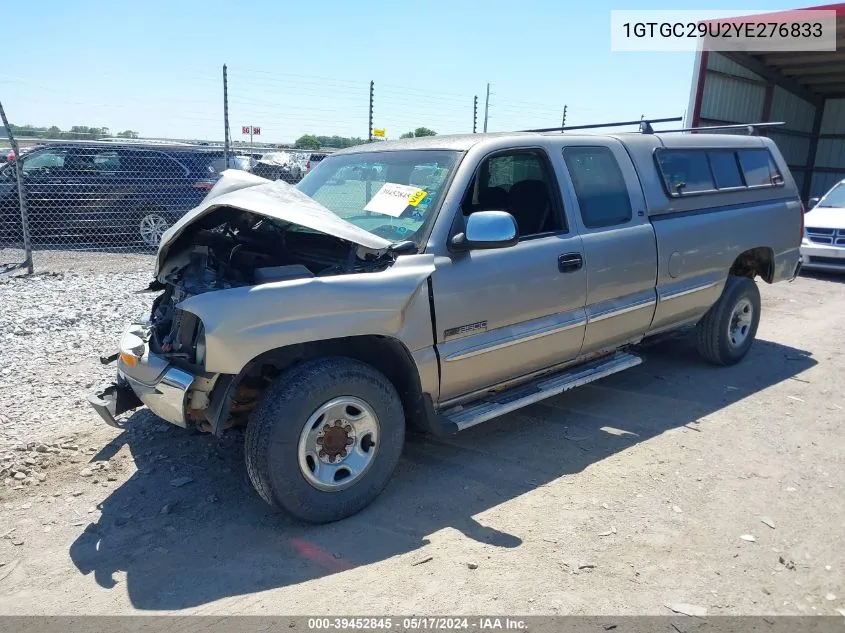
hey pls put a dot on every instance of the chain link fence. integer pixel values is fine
(108, 196)
(118, 194)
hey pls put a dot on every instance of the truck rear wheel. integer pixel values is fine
(325, 439)
(726, 332)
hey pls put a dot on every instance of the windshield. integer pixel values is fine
(389, 194)
(834, 198)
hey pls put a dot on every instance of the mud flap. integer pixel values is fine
(113, 400)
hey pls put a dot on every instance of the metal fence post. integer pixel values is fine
(21, 192)
(225, 119)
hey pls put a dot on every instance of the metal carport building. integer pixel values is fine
(806, 90)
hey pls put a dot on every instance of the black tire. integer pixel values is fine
(275, 426)
(713, 333)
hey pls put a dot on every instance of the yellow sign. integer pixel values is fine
(415, 198)
(379, 131)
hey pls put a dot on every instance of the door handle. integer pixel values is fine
(569, 262)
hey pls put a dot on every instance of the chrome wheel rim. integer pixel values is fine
(152, 227)
(740, 323)
(338, 443)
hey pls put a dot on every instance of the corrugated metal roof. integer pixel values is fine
(722, 64)
(822, 182)
(795, 149)
(727, 99)
(830, 153)
(833, 119)
(797, 113)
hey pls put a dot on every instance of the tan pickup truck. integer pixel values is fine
(441, 282)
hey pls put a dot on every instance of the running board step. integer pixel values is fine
(496, 404)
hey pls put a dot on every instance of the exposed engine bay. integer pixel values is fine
(231, 248)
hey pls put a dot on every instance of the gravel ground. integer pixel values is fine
(54, 327)
(672, 483)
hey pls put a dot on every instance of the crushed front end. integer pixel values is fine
(161, 360)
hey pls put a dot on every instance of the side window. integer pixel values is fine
(107, 161)
(521, 183)
(686, 171)
(151, 165)
(44, 160)
(758, 166)
(599, 186)
(725, 169)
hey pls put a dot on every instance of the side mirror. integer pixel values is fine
(486, 230)
(811, 203)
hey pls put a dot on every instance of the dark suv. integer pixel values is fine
(105, 193)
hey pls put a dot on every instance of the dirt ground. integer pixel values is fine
(673, 482)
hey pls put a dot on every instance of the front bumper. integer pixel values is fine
(822, 257)
(152, 381)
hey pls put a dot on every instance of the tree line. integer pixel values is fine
(315, 142)
(76, 132)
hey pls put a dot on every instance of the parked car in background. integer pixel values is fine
(119, 195)
(278, 166)
(313, 161)
(242, 162)
(823, 246)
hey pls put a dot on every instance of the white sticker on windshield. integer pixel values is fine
(392, 199)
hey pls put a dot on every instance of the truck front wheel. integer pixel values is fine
(325, 439)
(725, 333)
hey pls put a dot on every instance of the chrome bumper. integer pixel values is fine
(166, 398)
(151, 381)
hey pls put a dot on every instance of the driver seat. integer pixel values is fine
(529, 204)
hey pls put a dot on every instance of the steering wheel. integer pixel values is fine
(393, 232)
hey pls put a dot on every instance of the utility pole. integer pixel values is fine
(486, 108)
(563, 118)
(225, 119)
(372, 95)
(369, 191)
(474, 113)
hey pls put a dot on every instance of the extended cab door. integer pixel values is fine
(504, 313)
(620, 249)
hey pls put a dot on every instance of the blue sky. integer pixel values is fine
(302, 66)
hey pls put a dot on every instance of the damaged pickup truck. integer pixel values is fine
(441, 282)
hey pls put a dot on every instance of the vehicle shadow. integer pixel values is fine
(187, 545)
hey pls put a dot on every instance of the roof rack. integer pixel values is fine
(645, 124)
(750, 127)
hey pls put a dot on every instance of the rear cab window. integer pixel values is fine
(701, 170)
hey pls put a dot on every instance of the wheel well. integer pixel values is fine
(753, 262)
(234, 398)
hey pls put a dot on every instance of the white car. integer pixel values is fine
(823, 246)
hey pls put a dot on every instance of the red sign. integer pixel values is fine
(256, 130)
(244, 129)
